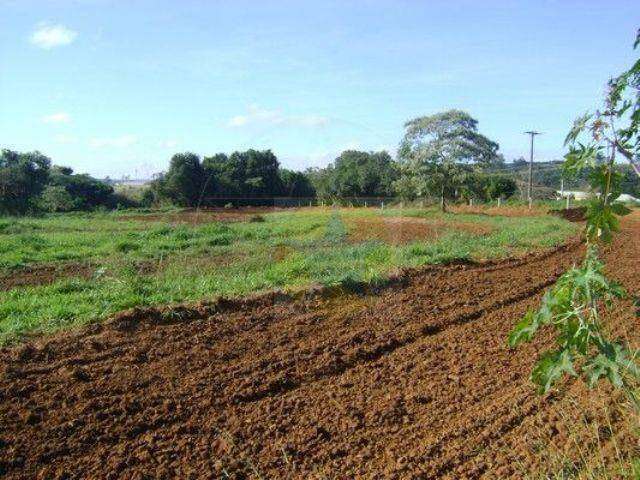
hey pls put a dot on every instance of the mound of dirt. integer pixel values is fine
(575, 214)
(413, 382)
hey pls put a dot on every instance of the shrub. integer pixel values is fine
(56, 198)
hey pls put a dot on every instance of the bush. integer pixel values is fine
(500, 186)
(56, 198)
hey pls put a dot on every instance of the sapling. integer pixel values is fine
(574, 306)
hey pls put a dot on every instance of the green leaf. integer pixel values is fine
(578, 126)
(551, 366)
(613, 361)
(599, 367)
(524, 330)
(620, 209)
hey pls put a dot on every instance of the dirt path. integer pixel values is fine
(415, 382)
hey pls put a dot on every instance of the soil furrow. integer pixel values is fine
(412, 380)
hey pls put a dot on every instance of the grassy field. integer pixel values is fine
(101, 263)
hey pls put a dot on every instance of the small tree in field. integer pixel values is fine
(435, 149)
(575, 304)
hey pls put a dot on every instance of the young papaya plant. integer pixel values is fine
(575, 304)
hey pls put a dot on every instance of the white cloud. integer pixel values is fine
(169, 143)
(122, 141)
(59, 117)
(48, 36)
(257, 116)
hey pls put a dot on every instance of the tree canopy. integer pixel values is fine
(23, 176)
(356, 174)
(436, 148)
(28, 182)
(250, 177)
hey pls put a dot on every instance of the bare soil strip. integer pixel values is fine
(413, 382)
(44, 274)
(402, 230)
(204, 215)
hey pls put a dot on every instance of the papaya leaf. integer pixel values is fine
(551, 367)
(524, 330)
(578, 126)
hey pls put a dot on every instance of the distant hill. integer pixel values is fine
(547, 177)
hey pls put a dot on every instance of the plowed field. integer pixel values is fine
(412, 381)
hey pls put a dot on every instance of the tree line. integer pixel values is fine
(252, 177)
(29, 183)
(441, 156)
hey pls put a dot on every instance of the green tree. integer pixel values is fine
(406, 187)
(221, 178)
(356, 174)
(500, 186)
(85, 191)
(435, 148)
(56, 198)
(322, 181)
(261, 174)
(364, 174)
(251, 176)
(296, 184)
(23, 176)
(183, 182)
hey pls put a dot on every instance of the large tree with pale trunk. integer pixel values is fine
(438, 151)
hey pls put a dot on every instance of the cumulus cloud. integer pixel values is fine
(122, 141)
(59, 117)
(257, 116)
(48, 36)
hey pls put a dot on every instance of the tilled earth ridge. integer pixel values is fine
(414, 382)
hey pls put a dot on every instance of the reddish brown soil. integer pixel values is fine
(414, 381)
(402, 230)
(207, 215)
(505, 211)
(44, 274)
(576, 214)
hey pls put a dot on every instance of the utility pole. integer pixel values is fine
(532, 133)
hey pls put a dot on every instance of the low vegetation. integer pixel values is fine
(128, 260)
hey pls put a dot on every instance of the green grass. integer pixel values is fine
(137, 262)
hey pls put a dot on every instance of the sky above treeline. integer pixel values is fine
(115, 88)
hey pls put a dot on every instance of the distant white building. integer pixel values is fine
(575, 194)
(625, 197)
(581, 195)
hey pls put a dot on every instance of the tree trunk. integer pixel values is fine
(442, 205)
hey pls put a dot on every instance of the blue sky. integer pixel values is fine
(117, 87)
